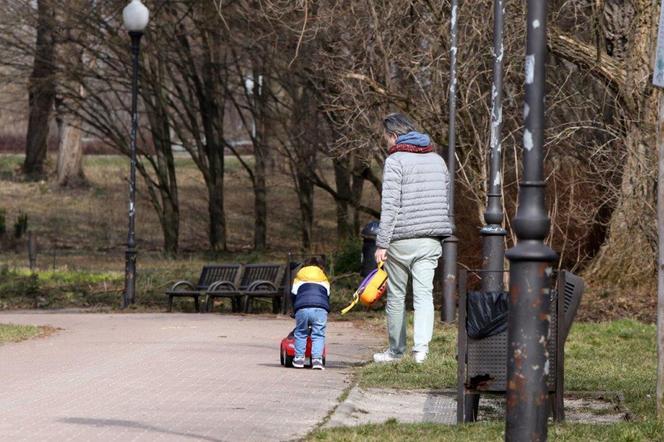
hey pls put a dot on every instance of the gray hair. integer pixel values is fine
(398, 124)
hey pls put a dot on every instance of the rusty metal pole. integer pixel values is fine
(530, 259)
(493, 233)
(448, 312)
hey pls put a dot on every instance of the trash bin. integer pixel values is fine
(369, 233)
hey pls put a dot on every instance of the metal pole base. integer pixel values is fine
(527, 333)
(493, 261)
(128, 297)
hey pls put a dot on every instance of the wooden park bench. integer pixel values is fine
(258, 281)
(211, 276)
(482, 363)
(225, 289)
(262, 281)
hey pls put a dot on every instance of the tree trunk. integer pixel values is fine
(357, 188)
(343, 183)
(305, 195)
(212, 115)
(166, 203)
(260, 203)
(70, 95)
(169, 196)
(41, 92)
(70, 153)
(261, 157)
(215, 186)
(627, 258)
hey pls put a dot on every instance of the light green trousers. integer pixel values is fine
(417, 257)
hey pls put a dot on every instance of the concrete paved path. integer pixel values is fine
(145, 377)
(376, 405)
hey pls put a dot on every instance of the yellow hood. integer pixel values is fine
(311, 274)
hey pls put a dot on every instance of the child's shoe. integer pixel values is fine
(317, 364)
(298, 362)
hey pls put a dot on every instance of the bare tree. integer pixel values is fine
(41, 91)
(69, 167)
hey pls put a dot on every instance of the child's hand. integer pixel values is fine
(381, 255)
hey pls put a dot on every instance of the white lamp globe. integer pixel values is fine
(135, 16)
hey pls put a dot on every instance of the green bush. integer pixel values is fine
(18, 290)
(348, 257)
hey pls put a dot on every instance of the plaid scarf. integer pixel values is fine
(410, 148)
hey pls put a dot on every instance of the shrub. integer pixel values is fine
(348, 256)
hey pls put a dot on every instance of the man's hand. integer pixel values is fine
(381, 255)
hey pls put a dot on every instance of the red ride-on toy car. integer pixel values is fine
(288, 350)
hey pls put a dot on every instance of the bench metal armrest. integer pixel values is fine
(179, 284)
(255, 286)
(225, 286)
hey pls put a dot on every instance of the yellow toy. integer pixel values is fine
(371, 289)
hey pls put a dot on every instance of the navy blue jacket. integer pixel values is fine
(311, 295)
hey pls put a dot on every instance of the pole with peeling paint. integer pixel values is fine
(493, 233)
(530, 259)
(448, 312)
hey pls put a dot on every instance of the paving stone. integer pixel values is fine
(167, 377)
(377, 405)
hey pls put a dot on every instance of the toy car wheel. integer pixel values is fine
(323, 361)
(287, 360)
(281, 357)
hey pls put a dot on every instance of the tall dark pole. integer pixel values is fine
(130, 254)
(530, 259)
(493, 232)
(450, 245)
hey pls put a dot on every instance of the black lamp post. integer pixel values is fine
(135, 16)
(493, 232)
(450, 245)
(530, 259)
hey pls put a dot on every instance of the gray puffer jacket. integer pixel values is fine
(414, 202)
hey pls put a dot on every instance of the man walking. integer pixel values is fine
(413, 222)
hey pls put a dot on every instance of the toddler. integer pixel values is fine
(311, 303)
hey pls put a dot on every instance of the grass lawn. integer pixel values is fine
(15, 333)
(617, 356)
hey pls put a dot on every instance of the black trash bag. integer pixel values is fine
(486, 314)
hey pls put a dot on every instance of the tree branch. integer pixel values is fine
(586, 57)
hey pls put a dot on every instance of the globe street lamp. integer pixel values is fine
(135, 17)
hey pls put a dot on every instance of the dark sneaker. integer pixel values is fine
(317, 364)
(298, 362)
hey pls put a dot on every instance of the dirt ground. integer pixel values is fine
(87, 227)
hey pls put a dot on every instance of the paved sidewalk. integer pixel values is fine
(144, 377)
(365, 406)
